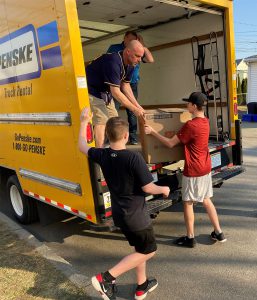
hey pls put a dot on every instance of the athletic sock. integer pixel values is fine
(142, 286)
(108, 277)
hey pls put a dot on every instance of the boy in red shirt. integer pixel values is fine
(197, 181)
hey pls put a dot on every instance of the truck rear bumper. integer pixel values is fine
(154, 206)
(217, 179)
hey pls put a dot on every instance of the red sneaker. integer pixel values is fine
(107, 289)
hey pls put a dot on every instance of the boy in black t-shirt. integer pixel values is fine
(128, 178)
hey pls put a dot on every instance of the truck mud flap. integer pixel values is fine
(156, 205)
(218, 178)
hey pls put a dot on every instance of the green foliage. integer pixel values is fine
(239, 91)
(244, 90)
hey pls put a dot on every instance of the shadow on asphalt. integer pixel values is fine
(77, 226)
(124, 290)
(204, 239)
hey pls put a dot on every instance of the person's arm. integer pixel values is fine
(112, 78)
(152, 188)
(84, 119)
(148, 57)
(127, 91)
(119, 96)
(169, 142)
(144, 178)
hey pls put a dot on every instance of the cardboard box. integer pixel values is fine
(167, 122)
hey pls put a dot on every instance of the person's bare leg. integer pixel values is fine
(141, 273)
(212, 213)
(99, 131)
(189, 217)
(130, 262)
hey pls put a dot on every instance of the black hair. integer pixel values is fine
(131, 32)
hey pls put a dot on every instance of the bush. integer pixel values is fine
(239, 91)
(244, 90)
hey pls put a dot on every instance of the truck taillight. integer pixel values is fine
(90, 135)
(235, 109)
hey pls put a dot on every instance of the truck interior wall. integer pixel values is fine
(171, 76)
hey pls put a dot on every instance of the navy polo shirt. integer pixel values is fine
(106, 70)
(120, 47)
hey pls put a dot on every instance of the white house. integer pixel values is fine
(252, 84)
(241, 68)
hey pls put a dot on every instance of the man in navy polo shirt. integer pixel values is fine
(147, 58)
(109, 76)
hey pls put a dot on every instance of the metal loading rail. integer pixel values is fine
(207, 73)
(156, 205)
(220, 177)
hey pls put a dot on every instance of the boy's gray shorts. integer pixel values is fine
(197, 188)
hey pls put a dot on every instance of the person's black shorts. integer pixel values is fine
(143, 240)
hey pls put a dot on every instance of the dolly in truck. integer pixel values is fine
(44, 47)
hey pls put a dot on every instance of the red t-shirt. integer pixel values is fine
(195, 136)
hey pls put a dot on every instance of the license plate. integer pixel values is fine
(215, 160)
(107, 200)
(155, 176)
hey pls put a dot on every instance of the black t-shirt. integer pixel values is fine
(125, 173)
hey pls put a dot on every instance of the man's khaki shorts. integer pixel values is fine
(197, 189)
(101, 111)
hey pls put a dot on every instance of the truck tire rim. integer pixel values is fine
(16, 200)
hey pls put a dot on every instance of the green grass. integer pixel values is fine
(25, 275)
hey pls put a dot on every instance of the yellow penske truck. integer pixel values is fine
(44, 46)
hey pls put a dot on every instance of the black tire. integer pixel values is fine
(24, 207)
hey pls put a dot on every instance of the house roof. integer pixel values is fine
(251, 58)
(238, 61)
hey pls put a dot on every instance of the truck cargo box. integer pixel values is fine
(167, 122)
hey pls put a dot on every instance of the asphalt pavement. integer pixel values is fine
(209, 271)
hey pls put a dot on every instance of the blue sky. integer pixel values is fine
(245, 24)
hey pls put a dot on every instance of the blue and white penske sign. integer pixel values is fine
(25, 53)
(19, 56)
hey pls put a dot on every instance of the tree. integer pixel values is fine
(239, 91)
(244, 90)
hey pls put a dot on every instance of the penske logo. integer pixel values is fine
(16, 57)
(19, 56)
(28, 51)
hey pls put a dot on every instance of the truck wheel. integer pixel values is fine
(24, 207)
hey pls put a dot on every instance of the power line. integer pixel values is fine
(247, 24)
(244, 31)
(246, 49)
(242, 46)
(246, 42)
(248, 36)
